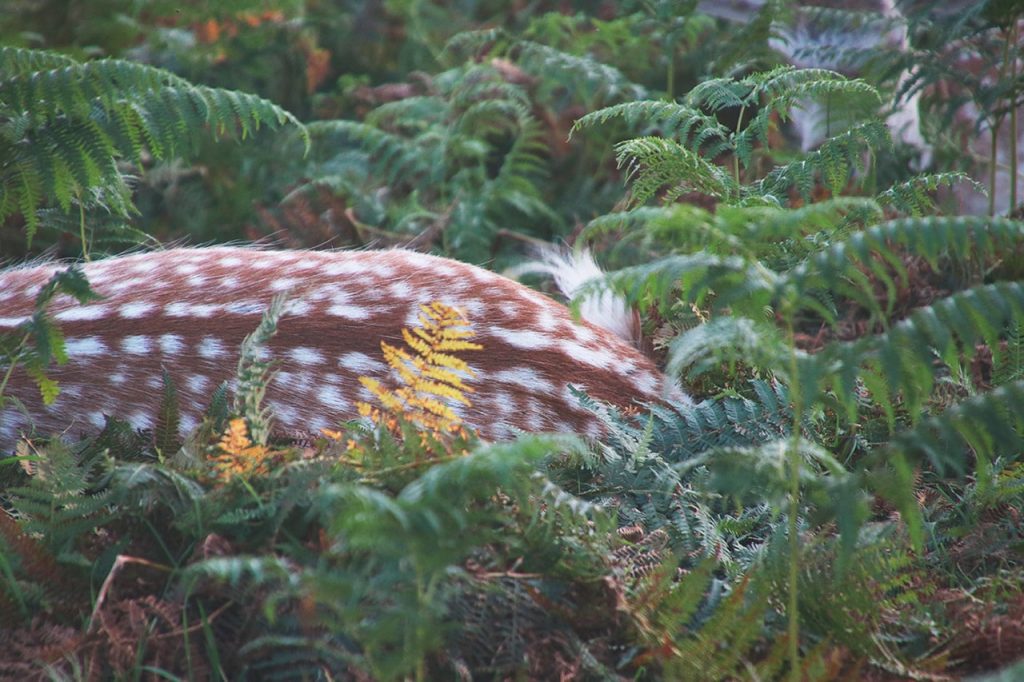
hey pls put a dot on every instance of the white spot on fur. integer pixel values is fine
(117, 378)
(298, 307)
(144, 265)
(349, 312)
(11, 321)
(191, 309)
(546, 320)
(356, 266)
(601, 359)
(141, 420)
(306, 356)
(197, 383)
(89, 345)
(245, 308)
(524, 377)
(97, 419)
(318, 424)
(263, 263)
(522, 338)
(205, 309)
(136, 345)
(132, 311)
(85, 312)
(299, 382)
(171, 344)
(361, 363)
(210, 348)
(331, 397)
(231, 262)
(283, 284)
(188, 423)
(176, 309)
(400, 290)
(646, 382)
(71, 391)
(286, 414)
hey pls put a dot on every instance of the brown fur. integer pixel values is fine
(340, 303)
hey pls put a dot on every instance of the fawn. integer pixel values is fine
(187, 310)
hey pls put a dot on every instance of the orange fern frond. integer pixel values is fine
(237, 455)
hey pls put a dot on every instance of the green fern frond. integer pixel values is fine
(989, 424)
(465, 44)
(1008, 361)
(912, 196)
(736, 281)
(784, 86)
(727, 339)
(836, 160)
(693, 127)
(593, 79)
(948, 330)
(66, 496)
(654, 163)
(253, 373)
(67, 123)
(390, 154)
(841, 266)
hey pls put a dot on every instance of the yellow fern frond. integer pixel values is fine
(445, 376)
(431, 379)
(388, 400)
(453, 363)
(441, 390)
(419, 340)
(430, 408)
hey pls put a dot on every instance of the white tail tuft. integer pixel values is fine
(572, 270)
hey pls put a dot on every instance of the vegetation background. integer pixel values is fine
(814, 208)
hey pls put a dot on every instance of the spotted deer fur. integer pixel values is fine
(187, 311)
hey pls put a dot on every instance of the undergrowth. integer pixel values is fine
(841, 500)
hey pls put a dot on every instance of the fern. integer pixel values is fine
(253, 373)
(653, 162)
(37, 341)
(684, 166)
(65, 497)
(431, 376)
(66, 124)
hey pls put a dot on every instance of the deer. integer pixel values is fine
(186, 311)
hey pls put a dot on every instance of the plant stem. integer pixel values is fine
(992, 170)
(81, 231)
(792, 603)
(670, 75)
(1014, 35)
(15, 356)
(735, 156)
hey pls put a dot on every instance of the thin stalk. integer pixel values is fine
(792, 603)
(992, 171)
(735, 156)
(15, 356)
(1014, 36)
(670, 75)
(81, 231)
